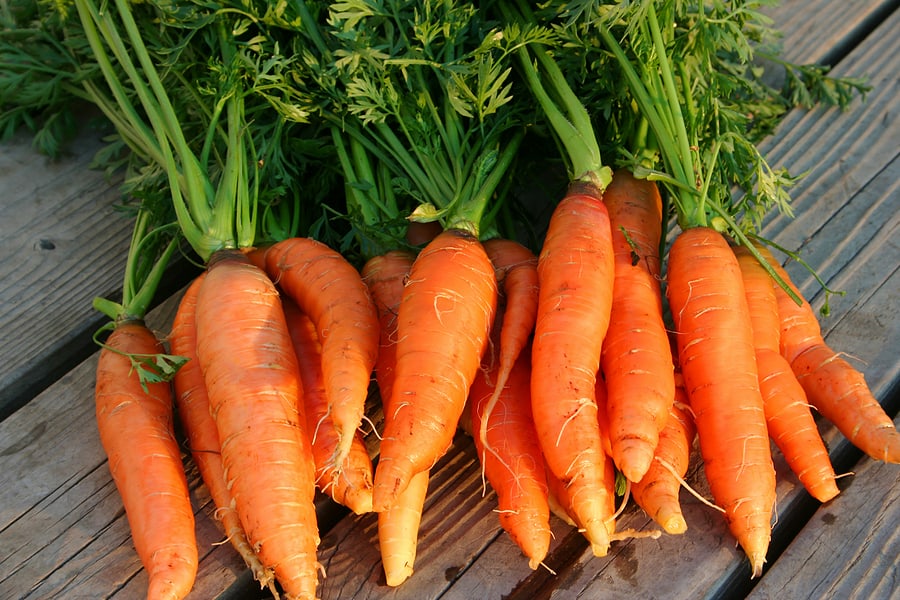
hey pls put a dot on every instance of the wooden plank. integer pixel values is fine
(850, 548)
(53, 262)
(823, 31)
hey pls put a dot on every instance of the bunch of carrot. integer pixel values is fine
(569, 367)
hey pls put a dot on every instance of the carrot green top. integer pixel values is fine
(420, 92)
(567, 116)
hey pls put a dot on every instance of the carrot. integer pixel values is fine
(398, 526)
(788, 417)
(833, 386)
(443, 324)
(516, 269)
(352, 484)
(192, 403)
(558, 499)
(636, 357)
(657, 491)
(137, 434)
(715, 350)
(575, 270)
(251, 375)
(398, 530)
(385, 276)
(514, 466)
(331, 292)
(602, 399)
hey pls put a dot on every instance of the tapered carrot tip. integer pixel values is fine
(755, 547)
(840, 393)
(636, 460)
(824, 491)
(162, 585)
(672, 522)
(598, 536)
(359, 501)
(396, 575)
(537, 552)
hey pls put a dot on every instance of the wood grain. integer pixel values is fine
(61, 243)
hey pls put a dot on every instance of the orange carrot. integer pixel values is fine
(718, 361)
(514, 463)
(252, 378)
(575, 270)
(331, 292)
(352, 485)
(398, 526)
(386, 276)
(516, 269)
(636, 358)
(602, 399)
(833, 386)
(398, 530)
(558, 499)
(442, 329)
(658, 490)
(192, 402)
(137, 434)
(788, 417)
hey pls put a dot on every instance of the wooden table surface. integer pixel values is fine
(63, 531)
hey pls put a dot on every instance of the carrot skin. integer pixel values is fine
(192, 402)
(137, 433)
(833, 386)
(789, 420)
(330, 290)
(398, 530)
(636, 358)
(658, 491)
(512, 458)
(443, 325)
(715, 351)
(840, 393)
(575, 271)
(558, 499)
(350, 486)
(252, 378)
(793, 428)
(385, 276)
(398, 526)
(516, 268)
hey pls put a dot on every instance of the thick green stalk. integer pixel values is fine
(564, 110)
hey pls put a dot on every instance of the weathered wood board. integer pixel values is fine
(61, 243)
